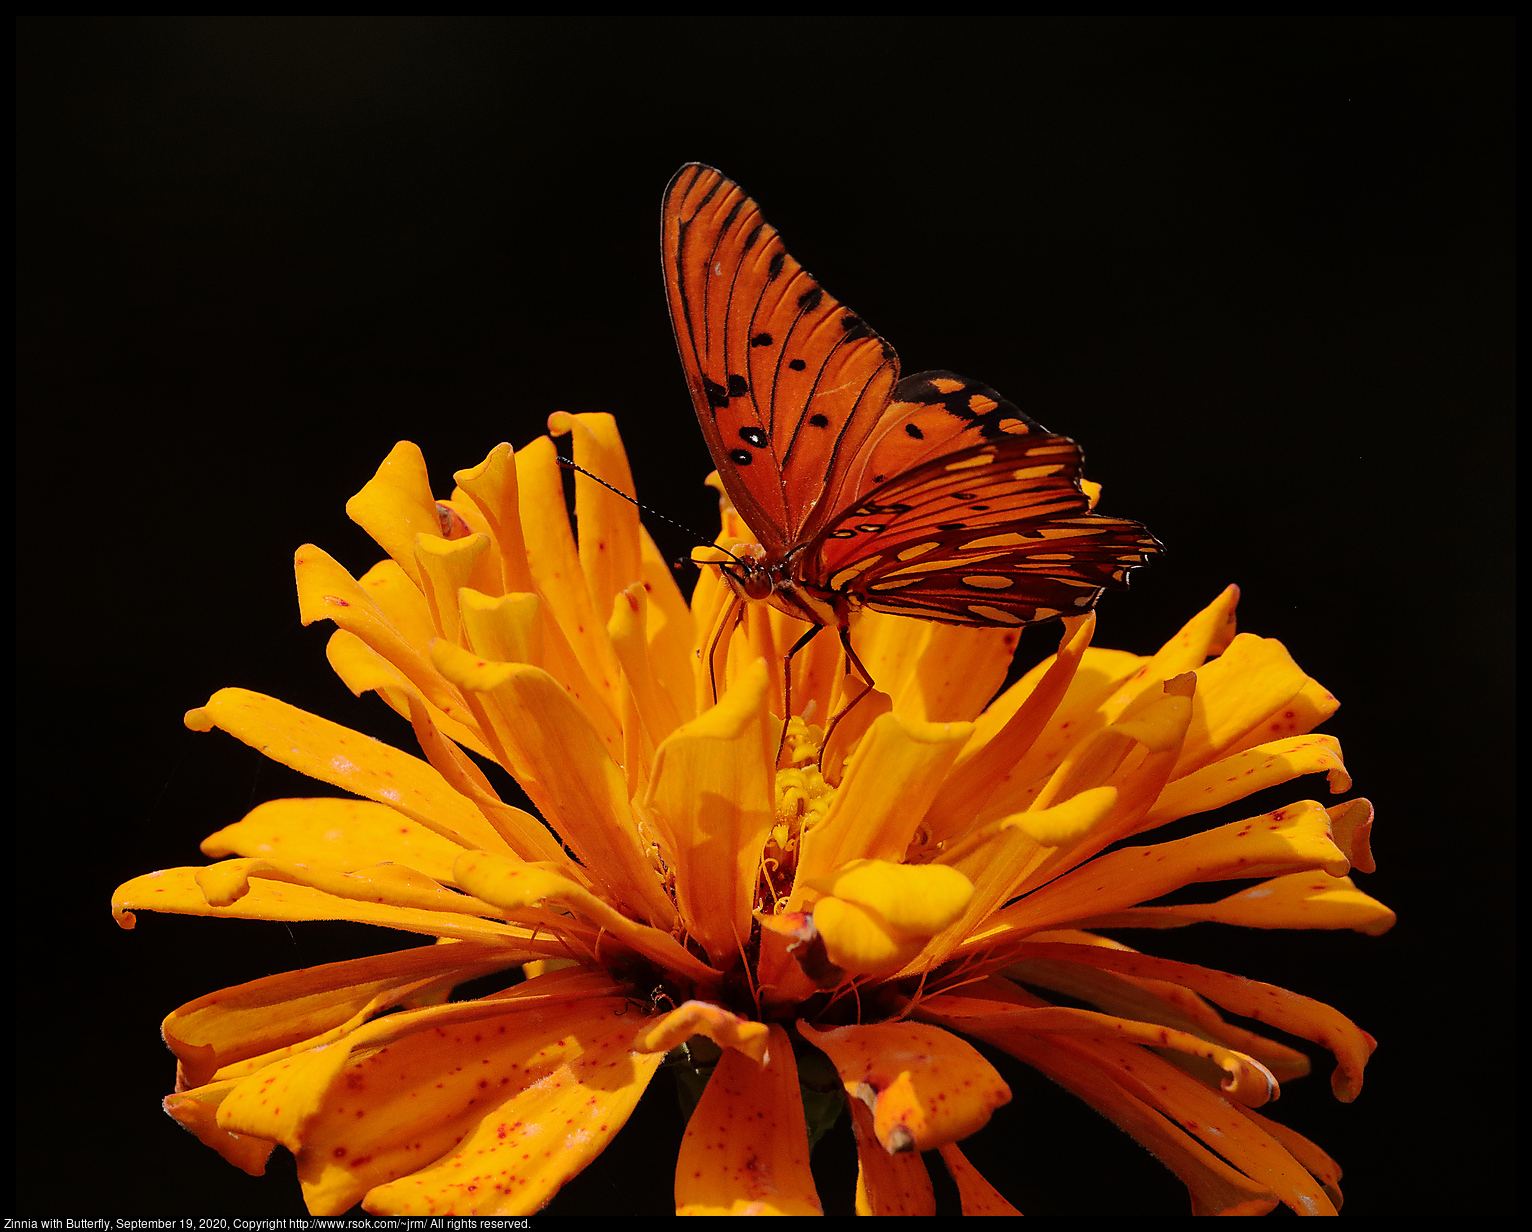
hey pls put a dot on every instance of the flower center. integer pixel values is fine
(803, 798)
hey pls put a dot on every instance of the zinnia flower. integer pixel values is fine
(931, 876)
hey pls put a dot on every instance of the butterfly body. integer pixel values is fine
(932, 496)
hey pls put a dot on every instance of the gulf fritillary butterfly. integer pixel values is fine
(930, 497)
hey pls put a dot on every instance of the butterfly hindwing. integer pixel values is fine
(998, 533)
(787, 383)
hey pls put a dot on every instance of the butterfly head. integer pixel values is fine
(749, 573)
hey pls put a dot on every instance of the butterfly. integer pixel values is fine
(931, 496)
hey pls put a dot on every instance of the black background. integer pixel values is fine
(1260, 269)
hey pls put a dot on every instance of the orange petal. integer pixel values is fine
(512, 886)
(1285, 840)
(1209, 632)
(395, 1110)
(197, 1111)
(979, 1196)
(628, 629)
(887, 786)
(269, 1018)
(1215, 1187)
(1143, 1000)
(447, 566)
(710, 797)
(887, 1184)
(934, 673)
(1287, 1011)
(519, 1156)
(1243, 1078)
(1075, 718)
(669, 630)
(746, 1149)
(1003, 734)
(396, 504)
(176, 892)
(344, 835)
(346, 759)
(1299, 900)
(926, 1086)
(1234, 778)
(1238, 694)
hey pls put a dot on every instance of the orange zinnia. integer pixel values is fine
(931, 874)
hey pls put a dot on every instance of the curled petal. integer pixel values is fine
(197, 1110)
(704, 1018)
(1254, 769)
(1287, 1011)
(925, 1085)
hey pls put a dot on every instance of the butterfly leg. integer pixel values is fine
(845, 640)
(730, 618)
(787, 684)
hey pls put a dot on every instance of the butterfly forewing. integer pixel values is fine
(997, 533)
(787, 383)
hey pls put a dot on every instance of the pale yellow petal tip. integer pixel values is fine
(199, 720)
(875, 916)
(225, 884)
(560, 423)
(1067, 822)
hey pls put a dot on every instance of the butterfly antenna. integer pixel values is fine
(701, 539)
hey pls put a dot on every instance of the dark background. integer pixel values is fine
(1260, 269)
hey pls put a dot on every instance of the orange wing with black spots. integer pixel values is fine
(787, 383)
(994, 534)
(931, 497)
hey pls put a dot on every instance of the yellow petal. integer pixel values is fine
(346, 759)
(328, 592)
(491, 486)
(520, 1155)
(1076, 717)
(887, 1184)
(1237, 693)
(396, 504)
(704, 1018)
(555, 565)
(856, 940)
(1066, 822)
(1298, 900)
(1207, 633)
(852, 726)
(978, 1195)
(396, 595)
(362, 669)
(445, 567)
(933, 672)
(887, 786)
(609, 547)
(628, 630)
(925, 1085)
(746, 1149)
(512, 885)
(711, 799)
(341, 834)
